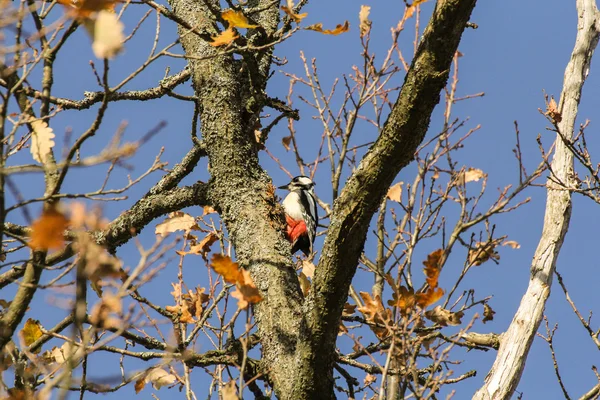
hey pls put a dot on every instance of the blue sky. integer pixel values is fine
(519, 50)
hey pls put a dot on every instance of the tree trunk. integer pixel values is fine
(505, 374)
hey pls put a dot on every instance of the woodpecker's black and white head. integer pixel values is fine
(300, 207)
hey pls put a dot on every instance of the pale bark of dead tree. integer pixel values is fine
(503, 378)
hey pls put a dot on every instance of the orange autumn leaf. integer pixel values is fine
(289, 10)
(340, 28)
(375, 313)
(404, 299)
(203, 247)
(432, 267)
(411, 10)
(48, 230)
(224, 266)
(428, 298)
(246, 291)
(237, 19)
(84, 8)
(225, 37)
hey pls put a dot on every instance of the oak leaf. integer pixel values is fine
(207, 210)
(203, 247)
(404, 299)
(304, 283)
(308, 269)
(340, 28)
(375, 313)
(512, 244)
(81, 9)
(159, 378)
(41, 140)
(411, 9)
(552, 110)
(365, 23)
(47, 232)
(32, 331)
(224, 266)
(246, 292)
(237, 19)
(102, 314)
(285, 141)
(395, 192)
(444, 317)
(433, 267)
(488, 313)
(224, 38)
(473, 175)
(177, 221)
(429, 297)
(289, 10)
(483, 251)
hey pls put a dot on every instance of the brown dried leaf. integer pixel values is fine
(31, 332)
(552, 110)
(47, 232)
(395, 192)
(404, 299)
(483, 251)
(177, 221)
(431, 296)
(433, 267)
(246, 292)
(285, 141)
(488, 313)
(304, 284)
(411, 10)
(289, 10)
(444, 317)
(203, 247)
(365, 23)
(369, 379)
(375, 313)
(224, 266)
(349, 309)
(340, 28)
(41, 140)
(224, 38)
(237, 19)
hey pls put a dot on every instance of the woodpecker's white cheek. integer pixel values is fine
(292, 206)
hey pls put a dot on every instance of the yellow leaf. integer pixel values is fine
(107, 35)
(304, 284)
(224, 266)
(363, 17)
(41, 140)
(411, 10)
(338, 29)
(177, 221)
(289, 10)
(225, 37)
(31, 332)
(237, 19)
(48, 230)
(395, 192)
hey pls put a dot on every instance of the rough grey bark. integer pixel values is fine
(503, 378)
(298, 341)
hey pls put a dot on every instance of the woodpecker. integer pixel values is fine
(301, 214)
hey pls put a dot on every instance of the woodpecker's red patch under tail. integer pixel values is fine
(295, 229)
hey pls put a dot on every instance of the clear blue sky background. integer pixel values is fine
(519, 49)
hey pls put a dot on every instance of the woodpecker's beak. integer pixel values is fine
(284, 187)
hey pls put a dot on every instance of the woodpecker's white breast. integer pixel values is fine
(293, 206)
